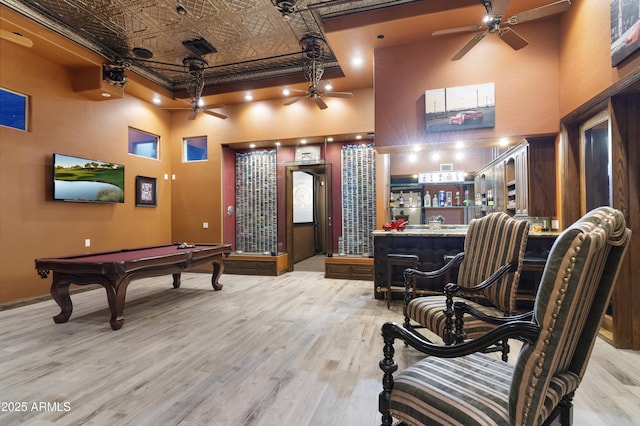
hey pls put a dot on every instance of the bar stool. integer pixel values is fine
(404, 260)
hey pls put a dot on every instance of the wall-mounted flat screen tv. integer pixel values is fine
(84, 180)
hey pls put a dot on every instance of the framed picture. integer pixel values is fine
(460, 108)
(146, 191)
(625, 29)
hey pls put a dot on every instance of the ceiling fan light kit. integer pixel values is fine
(494, 19)
(312, 53)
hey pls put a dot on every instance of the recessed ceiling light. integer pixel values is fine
(303, 141)
(435, 156)
(106, 95)
(459, 145)
(504, 142)
(329, 139)
(278, 143)
(357, 61)
(200, 102)
(156, 100)
(248, 97)
(286, 92)
(253, 145)
(328, 86)
(358, 137)
(380, 36)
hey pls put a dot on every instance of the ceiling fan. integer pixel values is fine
(494, 17)
(313, 52)
(195, 67)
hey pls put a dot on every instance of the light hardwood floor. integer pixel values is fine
(291, 350)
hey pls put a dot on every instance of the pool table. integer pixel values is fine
(115, 270)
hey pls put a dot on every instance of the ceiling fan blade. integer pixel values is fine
(294, 100)
(457, 30)
(467, 47)
(192, 115)
(539, 12)
(298, 91)
(498, 7)
(216, 114)
(15, 38)
(320, 103)
(512, 38)
(337, 94)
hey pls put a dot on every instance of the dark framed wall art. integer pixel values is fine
(146, 191)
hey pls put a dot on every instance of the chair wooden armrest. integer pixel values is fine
(461, 307)
(438, 272)
(525, 331)
(504, 269)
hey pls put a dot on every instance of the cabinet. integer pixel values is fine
(526, 178)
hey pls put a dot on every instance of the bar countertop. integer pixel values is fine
(446, 231)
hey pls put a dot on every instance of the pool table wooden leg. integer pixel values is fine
(116, 297)
(60, 293)
(176, 280)
(218, 268)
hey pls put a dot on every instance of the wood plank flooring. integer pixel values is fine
(265, 351)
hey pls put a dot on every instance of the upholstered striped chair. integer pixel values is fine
(488, 276)
(458, 385)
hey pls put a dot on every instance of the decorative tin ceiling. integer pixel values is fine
(249, 39)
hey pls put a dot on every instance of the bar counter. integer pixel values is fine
(434, 246)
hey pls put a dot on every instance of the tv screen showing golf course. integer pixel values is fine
(84, 180)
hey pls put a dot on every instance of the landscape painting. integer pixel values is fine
(460, 108)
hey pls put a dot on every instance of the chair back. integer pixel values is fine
(572, 298)
(492, 242)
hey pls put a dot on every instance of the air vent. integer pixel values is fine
(199, 46)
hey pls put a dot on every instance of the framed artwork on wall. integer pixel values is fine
(146, 191)
(625, 29)
(460, 108)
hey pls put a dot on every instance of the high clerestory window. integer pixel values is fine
(13, 109)
(194, 149)
(143, 144)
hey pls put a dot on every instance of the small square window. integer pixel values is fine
(143, 143)
(13, 109)
(195, 149)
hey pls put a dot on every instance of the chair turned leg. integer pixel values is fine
(388, 366)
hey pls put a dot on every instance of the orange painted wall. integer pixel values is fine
(526, 85)
(585, 55)
(32, 225)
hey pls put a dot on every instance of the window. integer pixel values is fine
(143, 143)
(194, 149)
(13, 110)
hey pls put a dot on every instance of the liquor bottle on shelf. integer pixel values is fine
(457, 198)
(435, 202)
(392, 201)
(418, 201)
(466, 201)
(427, 199)
(490, 198)
(410, 199)
(401, 200)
